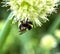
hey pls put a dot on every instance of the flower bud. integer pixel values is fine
(48, 41)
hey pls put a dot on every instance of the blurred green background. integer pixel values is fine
(29, 41)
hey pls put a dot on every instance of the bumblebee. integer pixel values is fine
(25, 25)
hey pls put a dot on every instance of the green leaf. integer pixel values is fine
(6, 29)
(30, 40)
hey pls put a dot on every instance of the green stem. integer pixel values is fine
(55, 25)
(6, 29)
(47, 51)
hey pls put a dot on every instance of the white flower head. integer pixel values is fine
(35, 11)
(48, 41)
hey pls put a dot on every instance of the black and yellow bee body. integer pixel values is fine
(25, 25)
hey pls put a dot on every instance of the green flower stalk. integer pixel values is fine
(35, 11)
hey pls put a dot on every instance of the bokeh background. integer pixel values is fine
(21, 44)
